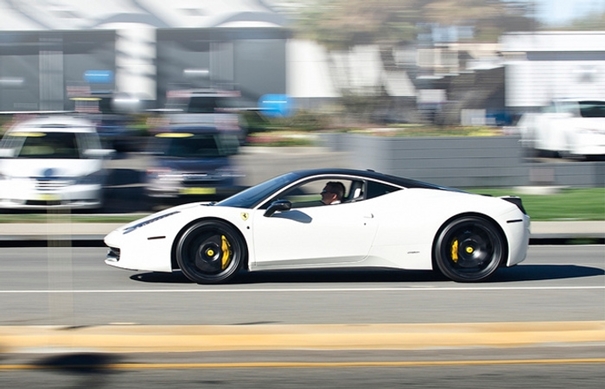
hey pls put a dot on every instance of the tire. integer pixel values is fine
(469, 249)
(210, 252)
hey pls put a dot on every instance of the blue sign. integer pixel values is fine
(98, 76)
(275, 105)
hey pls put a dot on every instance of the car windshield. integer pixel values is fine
(189, 145)
(250, 197)
(592, 109)
(46, 144)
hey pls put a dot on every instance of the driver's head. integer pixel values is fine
(333, 191)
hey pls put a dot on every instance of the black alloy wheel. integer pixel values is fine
(469, 249)
(210, 252)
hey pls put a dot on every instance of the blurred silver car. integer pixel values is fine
(52, 162)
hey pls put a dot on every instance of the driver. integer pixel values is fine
(332, 193)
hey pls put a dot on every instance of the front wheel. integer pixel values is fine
(210, 252)
(469, 249)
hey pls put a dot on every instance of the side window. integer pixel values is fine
(375, 189)
(308, 194)
(50, 145)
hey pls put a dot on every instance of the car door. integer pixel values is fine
(314, 236)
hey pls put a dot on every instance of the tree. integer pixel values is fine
(340, 24)
(594, 22)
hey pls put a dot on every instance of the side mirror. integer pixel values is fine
(278, 205)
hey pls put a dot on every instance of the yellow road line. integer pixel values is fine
(310, 365)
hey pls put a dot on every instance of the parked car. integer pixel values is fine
(191, 162)
(52, 162)
(382, 221)
(208, 107)
(566, 128)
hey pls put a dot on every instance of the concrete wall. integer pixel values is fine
(262, 163)
(462, 162)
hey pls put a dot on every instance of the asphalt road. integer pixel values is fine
(73, 287)
(546, 312)
(395, 370)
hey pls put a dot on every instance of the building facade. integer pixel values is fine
(53, 51)
(542, 66)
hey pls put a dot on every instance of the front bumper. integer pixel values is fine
(68, 197)
(519, 232)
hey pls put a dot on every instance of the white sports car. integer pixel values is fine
(382, 221)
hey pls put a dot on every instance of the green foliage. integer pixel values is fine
(279, 139)
(341, 24)
(568, 204)
(140, 123)
(419, 130)
(302, 120)
(296, 130)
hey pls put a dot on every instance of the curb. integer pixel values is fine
(205, 338)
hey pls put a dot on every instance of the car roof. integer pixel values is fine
(371, 174)
(55, 124)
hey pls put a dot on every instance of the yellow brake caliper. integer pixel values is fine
(226, 249)
(455, 250)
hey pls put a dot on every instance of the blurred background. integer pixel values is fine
(196, 99)
(434, 89)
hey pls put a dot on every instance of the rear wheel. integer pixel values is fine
(469, 249)
(210, 252)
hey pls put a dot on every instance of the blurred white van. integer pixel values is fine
(52, 162)
(567, 127)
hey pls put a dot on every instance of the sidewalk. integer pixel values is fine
(568, 230)
(204, 338)
(96, 231)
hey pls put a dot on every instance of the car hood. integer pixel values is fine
(193, 165)
(49, 167)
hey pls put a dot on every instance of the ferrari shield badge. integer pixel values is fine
(244, 216)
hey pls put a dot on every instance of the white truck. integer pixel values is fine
(566, 128)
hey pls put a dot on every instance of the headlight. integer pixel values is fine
(148, 221)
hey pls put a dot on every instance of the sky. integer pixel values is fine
(562, 11)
